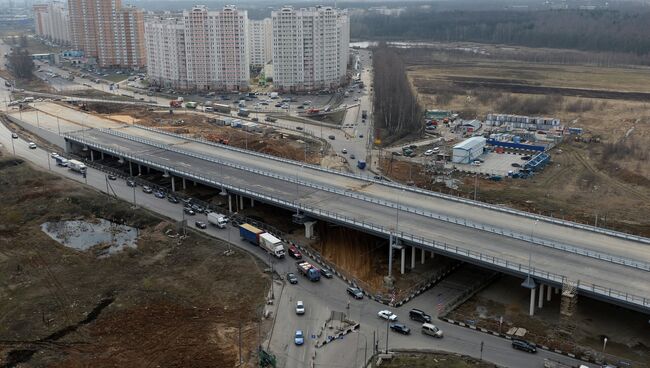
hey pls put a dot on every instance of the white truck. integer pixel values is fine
(77, 166)
(217, 220)
(271, 244)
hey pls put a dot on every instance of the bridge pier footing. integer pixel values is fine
(309, 228)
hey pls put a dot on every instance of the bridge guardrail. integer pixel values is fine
(635, 300)
(418, 190)
(462, 222)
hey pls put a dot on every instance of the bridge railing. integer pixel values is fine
(429, 244)
(455, 220)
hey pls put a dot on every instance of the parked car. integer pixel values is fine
(189, 211)
(14, 135)
(32, 145)
(54, 155)
(172, 199)
(110, 176)
(428, 152)
(147, 189)
(352, 156)
(291, 277)
(431, 330)
(524, 346)
(294, 252)
(300, 307)
(345, 151)
(332, 137)
(160, 195)
(299, 338)
(131, 183)
(200, 224)
(325, 273)
(400, 328)
(420, 316)
(355, 292)
(387, 315)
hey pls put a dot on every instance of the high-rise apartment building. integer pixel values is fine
(105, 31)
(310, 48)
(213, 45)
(260, 41)
(52, 22)
(165, 45)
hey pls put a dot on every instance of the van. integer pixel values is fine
(431, 330)
(420, 316)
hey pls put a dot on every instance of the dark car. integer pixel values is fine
(355, 292)
(294, 252)
(235, 223)
(200, 224)
(401, 328)
(326, 274)
(131, 182)
(159, 195)
(270, 119)
(172, 199)
(112, 177)
(524, 346)
(332, 137)
(292, 278)
(420, 316)
(514, 164)
(189, 211)
(147, 189)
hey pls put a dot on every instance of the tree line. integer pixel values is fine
(589, 30)
(397, 112)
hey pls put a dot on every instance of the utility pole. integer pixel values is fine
(47, 157)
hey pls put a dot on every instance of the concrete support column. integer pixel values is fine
(194, 183)
(423, 255)
(548, 293)
(402, 260)
(229, 203)
(557, 291)
(92, 155)
(412, 258)
(102, 155)
(139, 169)
(130, 169)
(184, 186)
(173, 183)
(432, 254)
(148, 170)
(241, 202)
(540, 298)
(252, 203)
(531, 310)
(309, 229)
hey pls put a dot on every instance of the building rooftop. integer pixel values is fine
(470, 142)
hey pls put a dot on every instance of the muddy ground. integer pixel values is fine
(434, 360)
(169, 302)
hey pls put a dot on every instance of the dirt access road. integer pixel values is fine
(169, 302)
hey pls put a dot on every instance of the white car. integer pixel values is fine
(54, 155)
(428, 152)
(476, 163)
(387, 315)
(32, 145)
(300, 307)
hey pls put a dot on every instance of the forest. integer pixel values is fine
(589, 30)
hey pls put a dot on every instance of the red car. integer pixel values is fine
(294, 252)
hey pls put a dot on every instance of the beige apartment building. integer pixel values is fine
(108, 33)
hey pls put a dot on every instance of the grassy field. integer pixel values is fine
(434, 360)
(605, 175)
(61, 307)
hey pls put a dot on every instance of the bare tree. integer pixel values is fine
(21, 63)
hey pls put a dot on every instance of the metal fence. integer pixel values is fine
(429, 244)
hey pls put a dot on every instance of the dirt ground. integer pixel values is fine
(628, 332)
(273, 143)
(170, 302)
(434, 360)
(609, 162)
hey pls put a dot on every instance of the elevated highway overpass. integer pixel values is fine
(611, 266)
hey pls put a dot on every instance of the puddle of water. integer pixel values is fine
(83, 235)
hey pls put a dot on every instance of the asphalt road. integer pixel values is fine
(320, 298)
